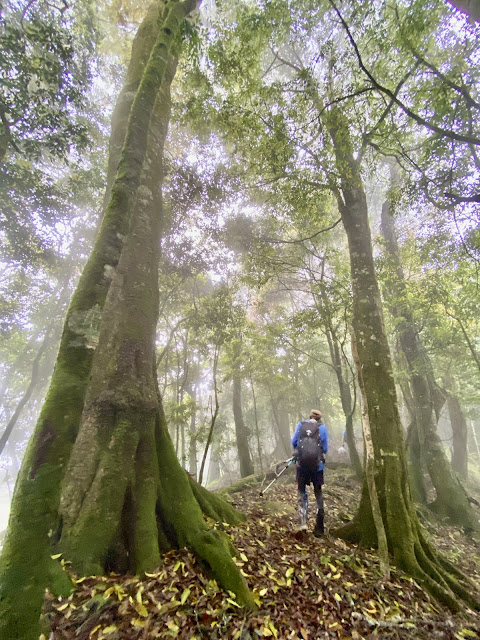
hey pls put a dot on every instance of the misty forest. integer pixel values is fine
(215, 218)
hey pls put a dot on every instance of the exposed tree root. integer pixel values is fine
(428, 567)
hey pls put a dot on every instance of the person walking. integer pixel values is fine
(310, 442)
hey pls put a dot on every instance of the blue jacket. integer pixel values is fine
(322, 432)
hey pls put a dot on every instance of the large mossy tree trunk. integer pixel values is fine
(405, 537)
(451, 500)
(100, 481)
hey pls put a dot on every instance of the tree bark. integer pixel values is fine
(100, 481)
(214, 413)
(282, 427)
(257, 428)
(241, 432)
(451, 499)
(370, 471)
(192, 445)
(343, 385)
(405, 538)
(460, 433)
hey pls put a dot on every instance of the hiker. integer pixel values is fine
(344, 446)
(310, 442)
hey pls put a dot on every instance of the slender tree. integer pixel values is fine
(241, 432)
(460, 436)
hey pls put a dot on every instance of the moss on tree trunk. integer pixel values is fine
(460, 433)
(451, 500)
(241, 432)
(405, 537)
(100, 481)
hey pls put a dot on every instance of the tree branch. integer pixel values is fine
(446, 133)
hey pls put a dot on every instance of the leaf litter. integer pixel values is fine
(304, 587)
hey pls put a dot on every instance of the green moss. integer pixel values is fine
(213, 547)
(86, 543)
(278, 508)
(26, 565)
(146, 552)
(214, 506)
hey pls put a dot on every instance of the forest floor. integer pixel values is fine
(305, 587)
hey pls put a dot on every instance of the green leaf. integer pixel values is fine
(185, 595)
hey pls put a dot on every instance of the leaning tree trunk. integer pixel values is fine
(405, 537)
(100, 481)
(451, 499)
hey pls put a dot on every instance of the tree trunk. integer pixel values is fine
(451, 499)
(100, 481)
(343, 385)
(192, 445)
(257, 429)
(35, 378)
(460, 433)
(280, 421)
(214, 413)
(405, 537)
(370, 471)
(241, 431)
(214, 466)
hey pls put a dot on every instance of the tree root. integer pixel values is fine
(428, 567)
(214, 506)
(215, 549)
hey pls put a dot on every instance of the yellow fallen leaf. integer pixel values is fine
(141, 609)
(137, 622)
(185, 595)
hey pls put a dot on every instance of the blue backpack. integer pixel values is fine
(309, 447)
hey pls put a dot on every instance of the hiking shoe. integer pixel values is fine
(318, 533)
(302, 527)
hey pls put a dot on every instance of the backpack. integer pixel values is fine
(309, 446)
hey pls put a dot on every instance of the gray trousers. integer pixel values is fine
(315, 478)
(303, 507)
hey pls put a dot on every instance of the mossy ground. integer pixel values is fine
(306, 587)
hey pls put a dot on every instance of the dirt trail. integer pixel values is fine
(305, 587)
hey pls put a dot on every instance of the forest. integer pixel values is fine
(216, 217)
